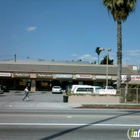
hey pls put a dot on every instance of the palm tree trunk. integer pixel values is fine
(119, 55)
(98, 59)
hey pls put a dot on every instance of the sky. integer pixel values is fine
(65, 30)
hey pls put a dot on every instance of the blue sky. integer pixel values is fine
(65, 30)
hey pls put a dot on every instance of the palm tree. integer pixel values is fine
(98, 52)
(120, 10)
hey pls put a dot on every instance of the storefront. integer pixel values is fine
(6, 79)
(43, 82)
(41, 77)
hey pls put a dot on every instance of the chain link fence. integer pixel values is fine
(130, 95)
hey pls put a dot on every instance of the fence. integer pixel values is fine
(131, 95)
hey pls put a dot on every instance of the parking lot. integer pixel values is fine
(38, 96)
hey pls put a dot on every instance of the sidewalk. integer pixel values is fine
(48, 105)
(37, 105)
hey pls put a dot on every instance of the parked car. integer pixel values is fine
(108, 87)
(5, 88)
(1, 90)
(85, 89)
(56, 89)
(97, 89)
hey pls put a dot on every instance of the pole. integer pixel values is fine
(15, 57)
(107, 51)
(107, 69)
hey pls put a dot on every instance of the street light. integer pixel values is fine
(107, 51)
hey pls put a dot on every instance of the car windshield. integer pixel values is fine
(56, 87)
(109, 87)
(69, 86)
(98, 88)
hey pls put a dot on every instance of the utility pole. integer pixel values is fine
(107, 51)
(15, 57)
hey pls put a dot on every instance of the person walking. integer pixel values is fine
(26, 94)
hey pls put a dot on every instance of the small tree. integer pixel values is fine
(93, 62)
(104, 61)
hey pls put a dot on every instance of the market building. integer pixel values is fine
(42, 76)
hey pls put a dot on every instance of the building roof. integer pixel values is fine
(49, 67)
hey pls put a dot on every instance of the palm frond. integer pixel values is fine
(120, 9)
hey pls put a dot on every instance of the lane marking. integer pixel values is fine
(69, 116)
(66, 124)
(64, 115)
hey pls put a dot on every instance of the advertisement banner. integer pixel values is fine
(107, 91)
(63, 75)
(130, 77)
(5, 74)
(83, 76)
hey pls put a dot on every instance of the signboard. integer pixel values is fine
(83, 76)
(103, 77)
(44, 75)
(130, 77)
(5, 74)
(107, 91)
(21, 75)
(63, 76)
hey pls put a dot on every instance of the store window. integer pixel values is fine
(20, 84)
(43, 85)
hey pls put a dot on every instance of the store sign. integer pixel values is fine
(130, 77)
(83, 76)
(21, 75)
(44, 75)
(103, 77)
(63, 76)
(5, 74)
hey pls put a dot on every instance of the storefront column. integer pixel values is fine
(33, 85)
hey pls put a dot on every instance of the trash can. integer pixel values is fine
(65, 98)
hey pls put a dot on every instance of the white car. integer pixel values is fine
(85, 89)
(56, 89)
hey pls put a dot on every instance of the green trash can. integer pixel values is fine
(65, 98)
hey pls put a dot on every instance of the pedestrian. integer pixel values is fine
(26, 94)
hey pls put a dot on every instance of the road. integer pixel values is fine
(74, 124)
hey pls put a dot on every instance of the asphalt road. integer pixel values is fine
(74, 124)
